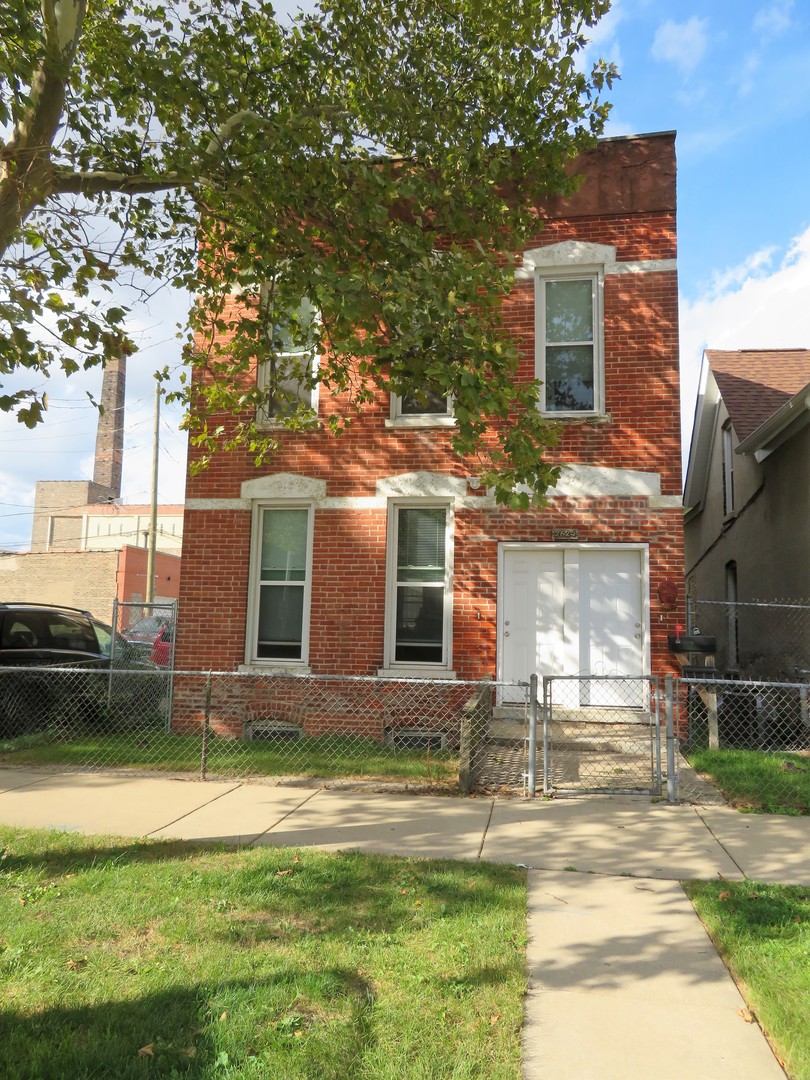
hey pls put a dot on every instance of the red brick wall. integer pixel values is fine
(641, 386)
(348, 586)
(348, 581)
(599, 521)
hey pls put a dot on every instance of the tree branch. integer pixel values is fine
(92, 183)
(63, 21)
(226, 131)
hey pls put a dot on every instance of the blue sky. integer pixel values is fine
(732, 77)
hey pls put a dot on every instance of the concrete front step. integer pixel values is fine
(596, 714)
(612, 738)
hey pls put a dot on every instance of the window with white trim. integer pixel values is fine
(281, 579)
(569, 344)
(419, 585)
(288, 376)
(424, 405)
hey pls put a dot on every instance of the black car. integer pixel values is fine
(53, 636)
(48, 636)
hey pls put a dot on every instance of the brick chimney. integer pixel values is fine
(110, 434)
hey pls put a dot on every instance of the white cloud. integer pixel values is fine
(604, 32)
(774, 20)
(603, 41)
(754, 265)
(745, 77)
(747, 307)
(683, 44)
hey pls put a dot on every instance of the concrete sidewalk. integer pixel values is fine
(624, 981)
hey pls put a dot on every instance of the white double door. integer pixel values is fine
(574, 611)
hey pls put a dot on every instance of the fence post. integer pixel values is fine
(546, 706)
(656, 694)
(710, 700)
(476, 717)
(532, 777)
(206, 726)
(112, 652)
(672, 776)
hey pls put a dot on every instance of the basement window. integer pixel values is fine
(272, 731)
(415, 739)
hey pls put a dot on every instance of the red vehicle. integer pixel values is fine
(153, 635)
(163, 646)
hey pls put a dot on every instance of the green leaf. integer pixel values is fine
(221, 148)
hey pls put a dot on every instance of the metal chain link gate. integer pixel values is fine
(597, 735)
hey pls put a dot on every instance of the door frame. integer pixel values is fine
(506, 546)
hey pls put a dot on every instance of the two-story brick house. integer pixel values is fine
(379, 552)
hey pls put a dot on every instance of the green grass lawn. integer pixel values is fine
(775, 782)
(763, 932)
(328, 756)
(151, 959)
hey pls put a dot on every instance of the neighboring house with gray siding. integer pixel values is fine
(747, 494)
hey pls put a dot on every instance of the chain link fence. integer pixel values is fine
(755, 640)
(147, 630)
(440, 734)
(747, 742)
(744, 741)
(600, 735)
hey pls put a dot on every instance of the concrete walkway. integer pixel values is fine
(624, 982)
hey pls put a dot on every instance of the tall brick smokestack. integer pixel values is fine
(110, 434)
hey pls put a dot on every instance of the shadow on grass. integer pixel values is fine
(347, 891)
(198, 1030)
(760, 781)
(755, 910)
(56, 859)
(232, 979)
(356, 894)
(478, 977)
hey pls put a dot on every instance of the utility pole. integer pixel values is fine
(152, 549)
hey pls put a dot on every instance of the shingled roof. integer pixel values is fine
(754, 383)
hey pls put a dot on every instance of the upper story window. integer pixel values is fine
(289, 375)
(729, 505)
(569, 344)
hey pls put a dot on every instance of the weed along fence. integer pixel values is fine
(555, 736)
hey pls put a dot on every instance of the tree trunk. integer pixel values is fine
(26, 172)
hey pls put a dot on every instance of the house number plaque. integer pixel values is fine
(565, 534)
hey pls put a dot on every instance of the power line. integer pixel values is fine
(121, 509)
(51, 510)
(79, 537)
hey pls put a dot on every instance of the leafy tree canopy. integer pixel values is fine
(377, 157)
